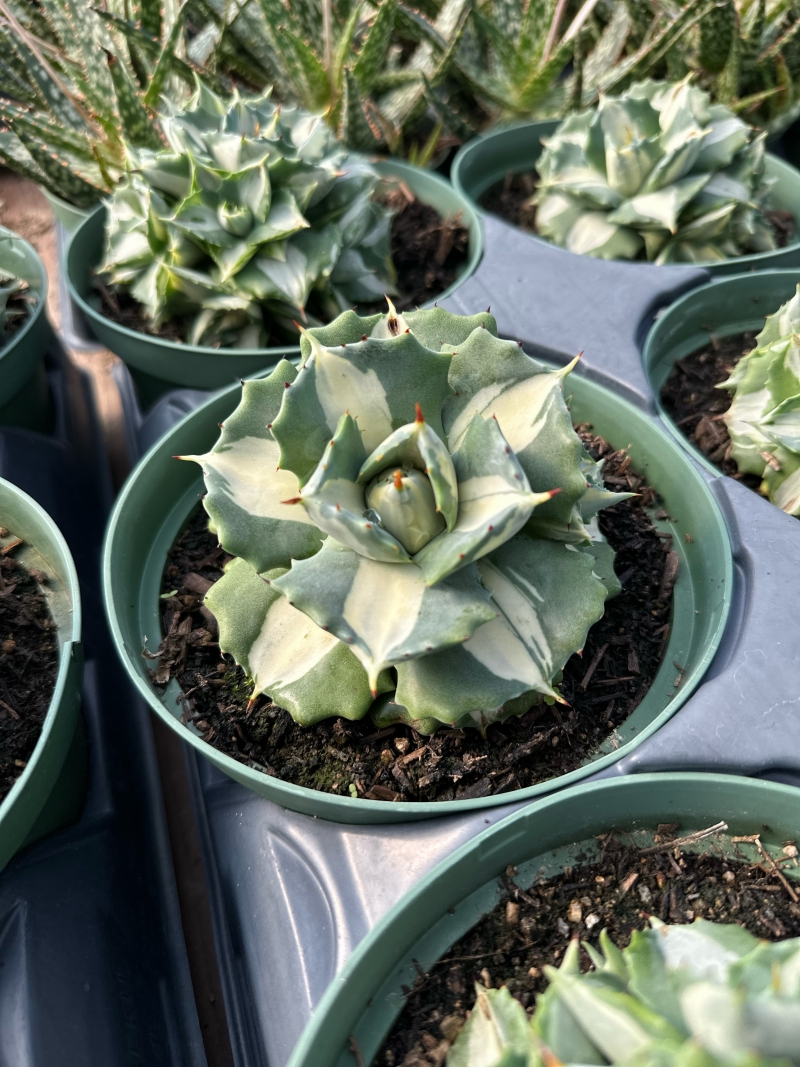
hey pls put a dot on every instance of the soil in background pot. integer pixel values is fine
(18, 309)
(28, 662)
(510, 199)
(429, 252)
(696, 406)
(620, 659)
(531, 928)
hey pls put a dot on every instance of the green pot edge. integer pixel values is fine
(67, 214)
(28, 796)
(658, 351)
(481, 145)
(356, 810)
(29, 344)
(370, 972)
(222, 366)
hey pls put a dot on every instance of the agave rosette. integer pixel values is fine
(251, 216)
(657, 173)
(702, 994)
(410, 514)
(764, 417)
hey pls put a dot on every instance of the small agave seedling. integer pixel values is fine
(764, 417)
(656, 173)
(702, 995)
(407, 511)
(254, 213)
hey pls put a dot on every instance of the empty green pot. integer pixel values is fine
(49, 792)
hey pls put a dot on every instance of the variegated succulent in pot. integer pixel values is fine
(702, 994)
(412, 518)
(253, 217)
(658, 173)
(764, 417)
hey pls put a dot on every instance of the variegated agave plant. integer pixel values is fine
(703, 995)
(254, 216)
(764, 418)
(407, 511)
(656, 173)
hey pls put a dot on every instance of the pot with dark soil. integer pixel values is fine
(666, 204)
(505, 910)
(292, 231)
(24, 334)
(40, 675)
(735, 414)
(397, 617)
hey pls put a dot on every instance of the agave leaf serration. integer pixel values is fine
(382, 501)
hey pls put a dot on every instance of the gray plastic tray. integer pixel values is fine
(292, 895)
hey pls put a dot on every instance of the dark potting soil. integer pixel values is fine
(429, 252)
(696, 406)
(510, 199)
(620, 659)
(28, 662)
(531, 928)
(18, 310)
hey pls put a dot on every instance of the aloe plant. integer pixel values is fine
(764, 417)
(79, 83)
(701, 994)
(253, 216)
(408, 511)
(656, 173)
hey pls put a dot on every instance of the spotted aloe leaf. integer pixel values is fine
(413, 548)
(547, 597)
(301, 667)
(246, 487)
(385, 612)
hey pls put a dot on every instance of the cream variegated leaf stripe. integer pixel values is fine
(335, 601)
(764, 417)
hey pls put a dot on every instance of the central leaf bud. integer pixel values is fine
(403, 500)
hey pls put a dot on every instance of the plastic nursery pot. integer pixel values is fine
(159, 364)
(49, 792)
(24, 397)
(67, 214)
(367, 995)
(487, 159)
(729, 306)
(160, 494)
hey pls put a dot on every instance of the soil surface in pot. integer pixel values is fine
(696, 406)
(531, 928)
(28, 662)
(429, 253)
(510, 199)
(622, 654)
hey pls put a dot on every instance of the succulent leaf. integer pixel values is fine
(638, 173)
(385, 612)
(764, 417)
(497, 1033)
(288, 657)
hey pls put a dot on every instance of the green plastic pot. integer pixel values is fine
(67, 214)
(24, 396)
(732, 305)
(159, 495)
(366, 996)
(162, 364)
(49, 792)
(487, 159)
